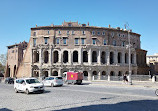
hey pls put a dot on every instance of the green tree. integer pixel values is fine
(3, 58)
(2, 67)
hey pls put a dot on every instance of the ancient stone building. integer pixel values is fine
(98, 52)
(14, 58)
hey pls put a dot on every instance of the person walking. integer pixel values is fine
(125, 80)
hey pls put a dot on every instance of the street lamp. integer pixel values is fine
(129, 54)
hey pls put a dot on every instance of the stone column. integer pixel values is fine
(80, 56)
(90, 57)
(99, 75)
(60, 56)
(123, 58)
(89, 75)
(115, 57)
(50, 72)
(40, 56)
(50, 56)
(135, 59)
(70, 57)
(108, 58)
(99, 57)
(59, 72)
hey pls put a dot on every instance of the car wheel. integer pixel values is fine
(52, 85)
(16, 91)
(27, 91)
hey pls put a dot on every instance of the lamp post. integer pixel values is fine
(129, 54)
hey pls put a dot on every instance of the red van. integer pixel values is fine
(73, 77)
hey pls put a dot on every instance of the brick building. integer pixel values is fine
(99, 52)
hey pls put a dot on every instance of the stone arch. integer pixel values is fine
(103, 73)
(112, 73)
(45, 73)
(55, 73)
(126, 58)
(36, 56)
(94, 56)
(65, 56)
(85, 73)
(103, 57)
(55, 56)
(120, 73)
(46, 56)
(111, 57)
(94, 73)
(85, 56)
(119, 57)
(75, 56)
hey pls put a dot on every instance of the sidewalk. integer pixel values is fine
(148, 84)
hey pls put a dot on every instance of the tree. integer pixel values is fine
(2, 67)
(3, 58)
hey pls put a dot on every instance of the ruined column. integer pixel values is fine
(90, 56)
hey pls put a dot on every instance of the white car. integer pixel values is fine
(53, 81)
(28, 85)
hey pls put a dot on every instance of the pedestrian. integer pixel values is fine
(125, 80)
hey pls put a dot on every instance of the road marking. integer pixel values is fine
(119, 94)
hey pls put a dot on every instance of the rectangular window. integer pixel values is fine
(93, 32)
(83, 32)
(45, 40)
(94, 41)
(103, 33)
(67, 32)
(104, 42)
(57, 41)
(48, 32)
(82, 41)
(114, 42)
(123, 43)
(64, 40)
(34, 41)
(34, 33)
(76, 41)
(59, 32)
(98, 33)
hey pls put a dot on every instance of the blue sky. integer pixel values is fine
(18, 16)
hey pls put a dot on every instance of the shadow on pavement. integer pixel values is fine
(5, 109)
(141, 105)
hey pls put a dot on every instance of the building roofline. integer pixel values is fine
(94, 27)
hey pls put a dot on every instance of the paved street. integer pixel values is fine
(87, 97)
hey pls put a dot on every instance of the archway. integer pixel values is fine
(55, 73)
(119, 57)
(14, 71)
(103, 56)
(126, 58)
(85, 56)
(36, 56)
(46, 56)
(65, 56)
(111, 57)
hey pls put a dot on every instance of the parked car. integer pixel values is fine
(9, 80)
(28, 85)
(53, 81)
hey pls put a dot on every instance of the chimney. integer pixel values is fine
(36, 25)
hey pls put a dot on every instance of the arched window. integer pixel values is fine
(94, 56)
(55, 55)
(119, 57)
(103, 73)
(85, 56)
(111, 57)
(119, 73)
(65, 56)
(55, 73)
(94, 73)
(45, 73)
(75, 56)
(36, 56)
(46, 56)
(103, 56)
(126, 58)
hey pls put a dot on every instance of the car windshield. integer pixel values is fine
(31, 81)
(58, 78)
(51, 78)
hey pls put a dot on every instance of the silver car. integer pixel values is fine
(53, 81)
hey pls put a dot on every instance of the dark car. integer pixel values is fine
(9, 80)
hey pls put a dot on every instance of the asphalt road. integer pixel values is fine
(80, 98)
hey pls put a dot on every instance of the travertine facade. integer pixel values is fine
(97, 51)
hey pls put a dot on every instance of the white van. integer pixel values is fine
(28, 85)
